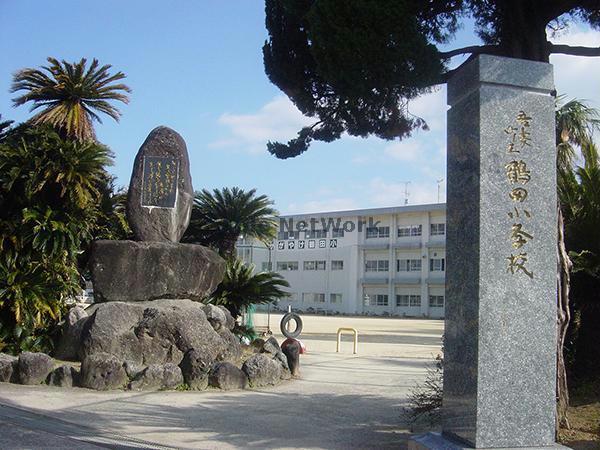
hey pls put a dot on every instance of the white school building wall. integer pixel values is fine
(383, 261)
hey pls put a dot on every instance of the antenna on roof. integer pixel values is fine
(439, 183)
(406, 193)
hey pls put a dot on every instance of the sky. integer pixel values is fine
(196, 66)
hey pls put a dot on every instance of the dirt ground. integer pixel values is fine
(380, 336)
(377, 336)
(584, 419)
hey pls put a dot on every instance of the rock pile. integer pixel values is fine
(147, 330)
(196, 369)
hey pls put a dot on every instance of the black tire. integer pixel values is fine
(283, 327)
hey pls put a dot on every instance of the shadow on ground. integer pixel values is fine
(252, 420)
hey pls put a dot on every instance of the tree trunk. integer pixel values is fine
(522, 31)
(228, 250)
(563, 319)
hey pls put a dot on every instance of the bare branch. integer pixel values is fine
(572, 50)
(473, 49)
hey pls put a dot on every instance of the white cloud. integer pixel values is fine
(277, 120)
(408, 150)
(327, 205)
(577, 76)
(431, 107)
(588, 38)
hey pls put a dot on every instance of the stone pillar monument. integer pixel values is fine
(159, 204)
(500, 335)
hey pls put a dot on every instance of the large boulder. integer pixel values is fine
(232, 352)
(216, 317)
(68, 345)
(280, 357)
(226, 376)
(156, 332)
(195, 367)
(8, 365)
(63, 376)
(229, 320)
(34, 368)
(271, 346)
(110, 329)
(102, 372)
(160, 195)
(262, 370)
(156, 376)
(130, 271)
(132, 368)
(219, 317)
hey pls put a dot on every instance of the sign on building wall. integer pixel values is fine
(302, 244)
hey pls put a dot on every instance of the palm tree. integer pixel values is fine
(575, 125)
(220, 217)
(69, 95)
(240, 288)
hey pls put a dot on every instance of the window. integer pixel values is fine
(381, 265)
(285, 235)
(287, 265)
(378, 232)
(402, 300)
(316, 234)
(408, 265)
(408, 300)
(335, 298)
(438, 229)
(266, 267)
(312, 297)
(337, 265)
(415, 300)
(337, 233)
(437, 264)
(314, 265)
(436, 301)
(410, 230)
(378, 300)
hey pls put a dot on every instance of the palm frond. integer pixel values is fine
(70, 94)
(220, 217)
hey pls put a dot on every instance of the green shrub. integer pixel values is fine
(50, 192)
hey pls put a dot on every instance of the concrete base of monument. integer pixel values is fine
(132, 271)
(435, 441)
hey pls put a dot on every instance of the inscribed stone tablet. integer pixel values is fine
(160, 178)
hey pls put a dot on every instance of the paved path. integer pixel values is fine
(341, 401)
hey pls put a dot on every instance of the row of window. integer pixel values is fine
(435, 229)
(315, 297)
(283, 266)
(435, 301)
(379, 265)
(405, 265)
